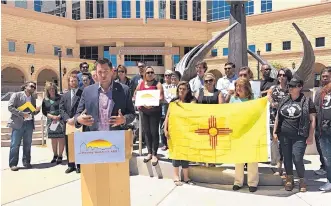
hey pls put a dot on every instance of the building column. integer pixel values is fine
(142, 10)
(203, 10)
(105, 8)
(177, 9)
(120, 58)
(168, 58)
(156, 9)
(118, 8)
(69, 9)
(133, 9)
(167, 9)
(82, 9)
(257, 7)
(94, 9)
(30, 5)
(100, 52)
(190, 10)
(181, 51)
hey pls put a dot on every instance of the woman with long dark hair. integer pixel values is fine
(324, 127)
(275, 95)
(151, 116)
(184, 95)
(55, 125)
(294, 127)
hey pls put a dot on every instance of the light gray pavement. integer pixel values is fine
(47, 185)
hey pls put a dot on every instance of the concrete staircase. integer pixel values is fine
(36, 137)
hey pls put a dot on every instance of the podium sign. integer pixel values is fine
(99, 147)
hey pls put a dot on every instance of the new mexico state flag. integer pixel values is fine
(220, 133)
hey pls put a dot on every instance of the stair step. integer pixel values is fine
(8, 129)
(35, 141)
(35, 135)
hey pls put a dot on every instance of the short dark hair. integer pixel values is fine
(326, 69)
(231, 64)
(122, 67)
(104, 61)
(31, 82)
(288, 74)
(203, 64)
(177, 74)
(88, 74)
(81, 64)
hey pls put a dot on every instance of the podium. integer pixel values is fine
(104, 184)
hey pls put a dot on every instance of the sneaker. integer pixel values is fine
(326, 187)
(302, 185)
(320, 172)
(14, 168)
(252, 189)
(27, 166)
(236, 187)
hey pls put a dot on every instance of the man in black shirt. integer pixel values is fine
(139, 77)
(267, 81)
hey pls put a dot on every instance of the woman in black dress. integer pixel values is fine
(55, 125)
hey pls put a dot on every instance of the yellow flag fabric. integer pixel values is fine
(220, 133)
(27, 105)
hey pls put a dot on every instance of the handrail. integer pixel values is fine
(6, 95)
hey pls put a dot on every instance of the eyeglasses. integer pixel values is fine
(149, 72)
(281, 75)
(227, 68)
(120, 71)
(208, 81)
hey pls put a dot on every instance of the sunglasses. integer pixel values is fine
(208, 81)
(292, 86)
(140, 67)
(32, 87)
(227, 68)
(149, 72)
(85, 67)
(281, 75)
(120, 71)
(243, 75)
(267, 70)
(167, 75)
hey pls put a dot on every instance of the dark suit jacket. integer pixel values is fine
(67, 110)
(90, 101)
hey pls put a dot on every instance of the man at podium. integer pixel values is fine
(106, 105)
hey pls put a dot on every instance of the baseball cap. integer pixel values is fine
(295, 82)
(168, 71)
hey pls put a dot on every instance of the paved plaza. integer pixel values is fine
(47, 184)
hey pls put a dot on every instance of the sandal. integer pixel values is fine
(147, 160)
(54, 159)
(155, 163)
(189, 182)
(59, 160)
(178, 183)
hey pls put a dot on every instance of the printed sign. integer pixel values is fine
(256, 88)
(147, 98)
(99, 147)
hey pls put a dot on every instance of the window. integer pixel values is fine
(76, 9)
(225, 51)
(320, 42)
(162, 9)
(37, 5)
(196, 10)
(252, 48)
(149, 6)
(175, 59)
(150, 60)
(30, 48)
(183, 10)
(249, 7)
(69, 52)
(172, 9)
(126, 9)
(138, 9)
(214, 52)
(21, 4)
(56, 50)
(11, 46)
(218, 10)
(89, 9)
(187, 49)
(100, 9)
(268, 47)
(266, 6)
(112, 9)
(111, 58)
(89, 53)
(286, 45)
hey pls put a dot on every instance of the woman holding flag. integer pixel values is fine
(243, 92)
(184, 95)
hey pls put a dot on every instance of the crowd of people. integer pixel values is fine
(295, 119)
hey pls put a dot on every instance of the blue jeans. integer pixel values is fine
(16, 137)
(325, 143)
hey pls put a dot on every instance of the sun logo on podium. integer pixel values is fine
(213, 131)
(98, 146)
